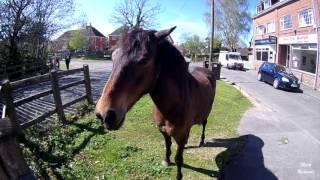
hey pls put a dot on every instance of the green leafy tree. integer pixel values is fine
(77, 40)
(194, 45)
(232, 20)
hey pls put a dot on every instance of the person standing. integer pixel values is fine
(57, 62)
(68, 59)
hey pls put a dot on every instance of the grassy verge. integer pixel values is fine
(83, 150)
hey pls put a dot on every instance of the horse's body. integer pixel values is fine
(181, 99)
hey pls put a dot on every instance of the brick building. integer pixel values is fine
(96, 41)
(287, 32)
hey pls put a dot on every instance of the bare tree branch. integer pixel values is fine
(135, 14)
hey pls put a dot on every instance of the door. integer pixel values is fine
(284, 54)
(269, 74)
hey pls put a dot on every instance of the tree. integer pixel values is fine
(26, 26)
(77, 40)
(194, 45)
(232, 20)
(135, 14)
(217, 44)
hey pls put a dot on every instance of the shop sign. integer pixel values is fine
(300, 39)
(270, 40)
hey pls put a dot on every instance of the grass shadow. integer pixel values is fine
(242, 159)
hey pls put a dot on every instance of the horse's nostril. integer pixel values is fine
(110, 117)
(99, 116)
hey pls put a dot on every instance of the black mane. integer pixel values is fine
(168, 57)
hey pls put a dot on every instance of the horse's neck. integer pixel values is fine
(171, 91)
(171, 87)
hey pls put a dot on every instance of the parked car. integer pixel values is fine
(279, 76)
(231, 60)
(107, 55)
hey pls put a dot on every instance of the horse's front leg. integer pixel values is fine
(167, 140)
(181, 142)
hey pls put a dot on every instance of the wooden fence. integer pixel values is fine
(11, 104)
(12, 162)
(22, 70)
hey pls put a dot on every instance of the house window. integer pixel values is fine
(285, 22)
(270, 28)
(262, 54)
(259, 8)
(305, 18)
(266, 3)
(260, 29)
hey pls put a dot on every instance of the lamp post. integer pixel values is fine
(212, 34)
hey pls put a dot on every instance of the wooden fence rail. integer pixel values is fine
(22, 70)
(54, 76)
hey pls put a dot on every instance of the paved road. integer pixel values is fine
(99, 73)
(285, 132)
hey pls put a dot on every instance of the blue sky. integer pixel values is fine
(187, 15)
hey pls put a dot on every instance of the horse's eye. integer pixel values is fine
(143, 61)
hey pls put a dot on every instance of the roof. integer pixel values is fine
(119, 31)
(88, 31)
(94, 31)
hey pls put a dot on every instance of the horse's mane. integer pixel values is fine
(136, 39)
(168, 58)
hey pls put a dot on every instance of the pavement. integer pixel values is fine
(282, 130)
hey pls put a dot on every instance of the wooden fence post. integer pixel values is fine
(12, 162)
(87, 83)
(10, 110)
(57, 96)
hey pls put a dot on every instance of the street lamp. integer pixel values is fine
(212, 34)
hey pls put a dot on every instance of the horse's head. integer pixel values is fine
(133, 75)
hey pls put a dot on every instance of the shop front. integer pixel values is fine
(300, 54)
(265, 50)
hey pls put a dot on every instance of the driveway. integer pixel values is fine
(284, 128)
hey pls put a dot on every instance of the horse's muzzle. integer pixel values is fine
(112, 120)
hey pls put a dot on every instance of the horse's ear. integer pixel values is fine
(164, 33)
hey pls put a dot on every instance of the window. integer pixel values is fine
(270, 28)
(259, 55)
(259, 8)
(266, 3)
(285, 22)
(264, 56)
(304, 57)
(305, 18)
(260, 29)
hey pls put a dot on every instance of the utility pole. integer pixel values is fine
(212, 35)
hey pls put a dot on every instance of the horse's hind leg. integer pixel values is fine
(167, 139)
(203, 133)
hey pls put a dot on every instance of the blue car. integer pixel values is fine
(279, 76)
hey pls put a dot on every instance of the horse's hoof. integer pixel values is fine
(165, 163)
(201, 144)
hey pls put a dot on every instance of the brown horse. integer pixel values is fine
(145, 62)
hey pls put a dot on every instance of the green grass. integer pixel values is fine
(85, 151)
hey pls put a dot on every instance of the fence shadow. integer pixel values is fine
(45, 158)
(242, 159)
